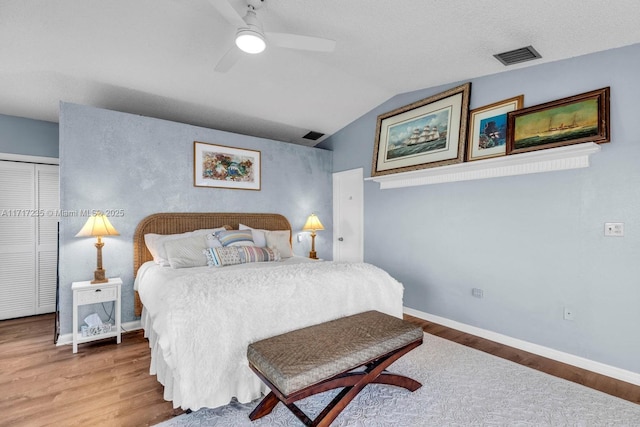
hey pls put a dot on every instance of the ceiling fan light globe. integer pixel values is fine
(250, 41)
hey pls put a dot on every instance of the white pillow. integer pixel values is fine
(155, 243)
(280, 240)
(187, 252)
(259, 238)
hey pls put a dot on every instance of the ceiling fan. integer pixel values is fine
(251, 38)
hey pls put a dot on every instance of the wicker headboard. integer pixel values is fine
(180, 222)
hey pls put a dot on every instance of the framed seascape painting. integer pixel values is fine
(225, 167)
(488, 129)
(579, 118)
(425, 134)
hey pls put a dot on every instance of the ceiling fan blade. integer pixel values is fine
(228, 60)
(228, 12)
(295, 41)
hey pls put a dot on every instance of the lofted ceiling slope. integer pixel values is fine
(157, 57)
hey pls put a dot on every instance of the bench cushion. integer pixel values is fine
(300, 358)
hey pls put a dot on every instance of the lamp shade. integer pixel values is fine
(97, 225)
(313, 223)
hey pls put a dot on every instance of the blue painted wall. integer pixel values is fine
(112, 161)
(28, 137)
(533, 243)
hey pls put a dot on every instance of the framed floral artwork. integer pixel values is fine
(225, 167)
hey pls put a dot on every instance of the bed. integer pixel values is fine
(199, 320)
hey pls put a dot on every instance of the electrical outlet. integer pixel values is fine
(568, 313)
(614, 229)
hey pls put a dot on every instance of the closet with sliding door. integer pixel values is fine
(29, 213)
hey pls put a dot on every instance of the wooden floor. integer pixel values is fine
(590, 379)
(105, 384)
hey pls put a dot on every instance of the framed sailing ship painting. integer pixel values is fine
(430, 132)
(572, 120)
(488, 128)
(225, 167)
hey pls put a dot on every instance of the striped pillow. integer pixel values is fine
(219, 257)
(231, 255)
(258, 254)
(235, 237)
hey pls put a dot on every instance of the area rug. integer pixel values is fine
(461, 386)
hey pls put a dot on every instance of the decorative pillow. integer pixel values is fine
(155, 242)
(281, 241)
(225, 256)
(235, 237)
(186, 252)
(259, 237)
(231, 255)
(208, 253)
(258, 254)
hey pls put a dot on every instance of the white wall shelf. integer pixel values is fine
(553, 159)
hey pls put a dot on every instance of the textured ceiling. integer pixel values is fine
(157, 57)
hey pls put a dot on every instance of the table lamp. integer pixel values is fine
(98, 225)
(313, 224)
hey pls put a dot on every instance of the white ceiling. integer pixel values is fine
(156, 57)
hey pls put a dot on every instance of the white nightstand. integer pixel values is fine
(87, 293)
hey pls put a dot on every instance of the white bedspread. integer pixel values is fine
(199, 321)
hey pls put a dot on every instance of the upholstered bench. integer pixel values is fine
(322, 357)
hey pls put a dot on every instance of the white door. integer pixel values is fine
(348, 199)
(28, 238)
(48, 201)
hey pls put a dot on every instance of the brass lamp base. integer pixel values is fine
(312, 254)
(99, 276)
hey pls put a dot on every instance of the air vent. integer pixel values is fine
(518, 55)
(313, 136)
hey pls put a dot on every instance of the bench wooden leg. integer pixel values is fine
(397, 380)
(264, 407)
(353, 383)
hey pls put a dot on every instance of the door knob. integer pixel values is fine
(340, 239)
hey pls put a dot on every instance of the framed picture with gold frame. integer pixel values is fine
(488, 128)
(566, 121)
(428, 133)
(225, 167)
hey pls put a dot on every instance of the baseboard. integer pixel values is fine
(66, 339)
(580, 362)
